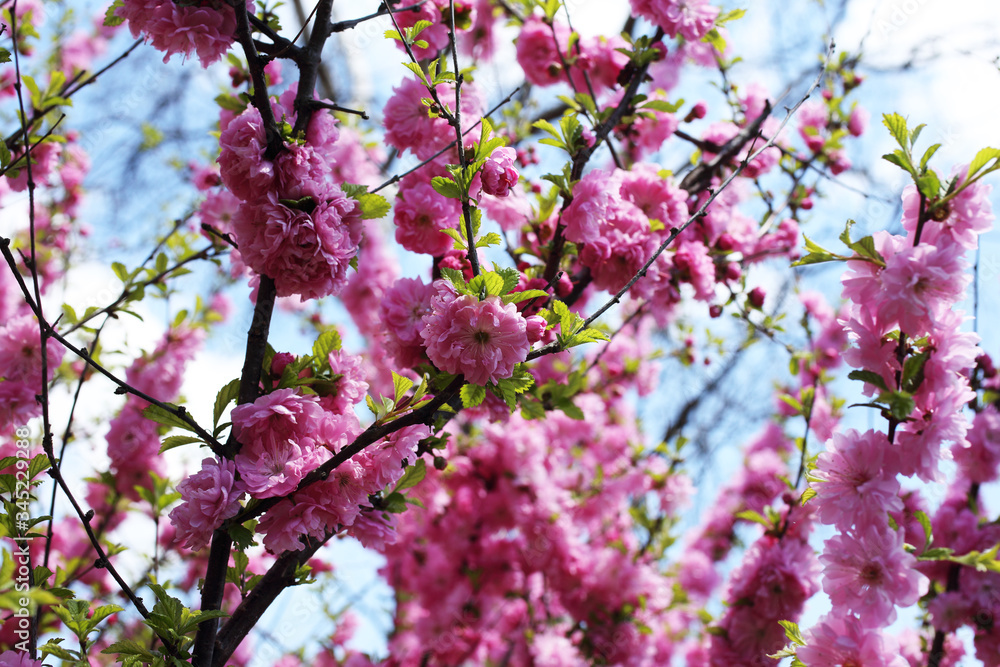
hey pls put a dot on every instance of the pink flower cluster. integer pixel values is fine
(593, 63)
(904, 330)
(611, 215)
(204, 28)
(342, 500)
(21, 370)
(412, 125)
(133, 440)
(209, 498)
(482, 340)
(293, 225)
(691, 19)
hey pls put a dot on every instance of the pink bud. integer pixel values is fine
(499, 173)
(535, 328)
(756, 297)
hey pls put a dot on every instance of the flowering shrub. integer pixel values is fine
(477, 425)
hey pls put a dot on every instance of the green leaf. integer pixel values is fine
(792, 632)
(395, 503)
(570, 409)
(446, 187)
(5, 58)
(161, 416)
(120, 271)
(662, 105)
(457, 279)
(897, 127)
(414, 475)
(487, 284)
(401, 385)
(913, 371)
(52, 647)
(983, 158)
(899, 159)
(731, 15)
(928, 154)
(225, 396)
(929, 185)
(754, 517)
(111, 18)
(37, 465)
(326, 342)
(518, 297)
(921, 516)
(489, 240)
(472, 395)
(242, 537)
(871, 377)
(177, 441)
(900, 404)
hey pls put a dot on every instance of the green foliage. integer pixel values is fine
(373, 206)
(571, 326)
(111, 17)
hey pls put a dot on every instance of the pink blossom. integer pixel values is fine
(921, 283)
(18, 659)
(374, 530)
(306, 252)
(538, 51)
(410, 125)
(840, 640)
(659, 198)
(402, 311)
(692, 19)
(856, 487)
(482, 340)
(420, 215)
(499, 174)
(206, 30)
(511, 212)
(869, 574)
(694, 265)
(858, 121)
(283, 434)
(209, 498)
(979, 458)
(21, 352)
(601, 61)
(377, 269)
(350, 387)
(596, 199)
(241, 161)
(436, 35)
(969, 214)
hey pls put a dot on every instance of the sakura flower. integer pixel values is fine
(857, 486)
(282, 435)
(482, 340)
(206, 29)
(692, 19)
(845, 640)
(306, 252)
(499, 174)
(402, 311)
(18, 659)
(538, 49)
(209, 498)
(870, 574)
(420, 216)
(242, 165)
